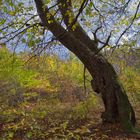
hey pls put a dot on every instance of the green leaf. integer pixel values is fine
(10, 134)
(23, 40)
(29, 134)
(31, 43)
(12, 13)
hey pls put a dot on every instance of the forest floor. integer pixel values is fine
(106, 131)
(51, 119)
(88, 128)
(46, 100)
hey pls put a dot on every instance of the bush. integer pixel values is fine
(13, 78)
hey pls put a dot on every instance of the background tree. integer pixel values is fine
(71, 23)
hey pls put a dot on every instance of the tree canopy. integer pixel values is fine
(112, 23)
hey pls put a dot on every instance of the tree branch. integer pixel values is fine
(19, 33)
(104, 43)
(129, 25)
(23, 25)
(95, 34)
(83, 5)
(66, 7)
(60, 33)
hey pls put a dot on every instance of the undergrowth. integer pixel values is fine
(46, 98)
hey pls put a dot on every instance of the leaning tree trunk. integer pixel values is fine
(105, 81)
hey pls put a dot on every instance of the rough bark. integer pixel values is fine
(78, 32)
(105, 80)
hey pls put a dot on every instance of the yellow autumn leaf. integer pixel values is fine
(12, 13)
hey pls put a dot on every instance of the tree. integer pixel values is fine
(62, 20)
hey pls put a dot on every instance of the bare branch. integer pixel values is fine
(8, 26)
(24, 30)
(108, 3)
(84, 76)
(105, 44)
(83, 5)
(66, 6)
(23, 25)
(129, 25)
(100, 15)
(95, 33)
(34, 52)
(14, 51)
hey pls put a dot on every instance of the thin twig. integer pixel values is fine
(84, 76)
(18, 28)
(129, 25)
(83, 5)
(24, 30)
